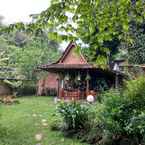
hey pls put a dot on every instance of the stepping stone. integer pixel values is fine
(43, 120)
(38, 144)
(34, 115)
(39, 136)
(44, 124)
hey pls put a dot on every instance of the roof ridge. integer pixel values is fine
(66, 51)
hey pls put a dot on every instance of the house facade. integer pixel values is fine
(76, 78)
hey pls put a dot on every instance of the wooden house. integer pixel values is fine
(76, 78)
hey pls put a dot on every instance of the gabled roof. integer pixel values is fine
(68, 61)
(68, 50)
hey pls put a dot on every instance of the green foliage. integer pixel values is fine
(21, 52)
(75, 115)
(94, 135)
(20, 55)
(7, 69)
(122, 113)
(100, 24)
(34, 54)
(101, 85)
(119, 116)
(24, 52)
(136, 51)
(136, 124)
(111, 114)
(95, 22)
(26, 88)
(135, 91)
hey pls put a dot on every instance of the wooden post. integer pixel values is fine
(58, 94)
(62, 89)
(116, 80)
(87, 87)
(78, 91)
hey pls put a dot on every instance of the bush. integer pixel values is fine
(136, 124)
(123, 113)
(118, 119)
(56, 124)
(110, 112)
(135, 90)
(76, 116)
(27, 88)
(135, 106)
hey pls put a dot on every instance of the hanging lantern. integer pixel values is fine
(116, 67)
(67, 77)
(88, 77)
(78, 77)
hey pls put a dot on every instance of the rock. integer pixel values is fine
(43, 120)
(38, 144)
(62, 140)
(34, 115)
(38, 137)
(56, 99)
(44, 124)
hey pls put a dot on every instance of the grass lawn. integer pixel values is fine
(21, 122)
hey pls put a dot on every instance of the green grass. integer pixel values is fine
(19, 125)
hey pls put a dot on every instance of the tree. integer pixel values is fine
(136, 51)
(25, 51)
(1, 20)
(34, 53)
(95, 22)
(7, 67)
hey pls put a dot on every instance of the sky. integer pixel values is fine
(19, 10)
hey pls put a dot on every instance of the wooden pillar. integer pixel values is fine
(62, 88)
(78, 97)
(87, 88)
(58, 88)
(116, 80)
(87, 81)
(66, 79)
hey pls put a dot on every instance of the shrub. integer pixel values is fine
(56, 124)
(110, 113)
(135, 106)
(119, 116)
(123, 113)
(135, 89)
(136, 124)
(94, 134)
(27, 88)
(76, 116)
